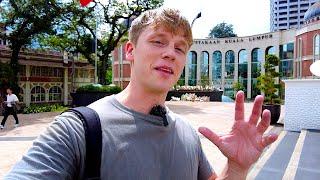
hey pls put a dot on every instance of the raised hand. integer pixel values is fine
(245, 142)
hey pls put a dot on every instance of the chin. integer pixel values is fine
(161, 89)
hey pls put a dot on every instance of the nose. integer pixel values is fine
(169, 53)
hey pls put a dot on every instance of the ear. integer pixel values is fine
(129, 51)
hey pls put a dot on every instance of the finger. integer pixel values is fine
(213, 137)
(256, 110)
(267, 140)
(239, 107)
(265, 122)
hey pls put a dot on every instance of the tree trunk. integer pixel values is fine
(14, 64)
(103, 68)
(102, 73)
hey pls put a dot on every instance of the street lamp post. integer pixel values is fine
(96, 55)
(96, 45)
(198, 16)
(186, 70)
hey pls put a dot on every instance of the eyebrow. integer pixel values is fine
(180, 42)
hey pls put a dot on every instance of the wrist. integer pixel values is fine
(238, 170)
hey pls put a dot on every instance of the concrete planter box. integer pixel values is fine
(214, 95)
(86, 98)
(302, 104)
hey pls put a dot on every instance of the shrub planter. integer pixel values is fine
(86, 98)
(214, 95)
(275, 110)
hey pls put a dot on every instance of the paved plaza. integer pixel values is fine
(214, 115)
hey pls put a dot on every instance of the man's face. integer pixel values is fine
(158, 59)
(9, 91)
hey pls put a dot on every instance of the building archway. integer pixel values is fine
(192, 67)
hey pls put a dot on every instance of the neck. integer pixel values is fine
(139, 99)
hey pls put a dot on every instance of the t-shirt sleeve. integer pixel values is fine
(16, 98)
(204, 170)
(55, 154)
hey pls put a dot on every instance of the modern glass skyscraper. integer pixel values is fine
(287, 14)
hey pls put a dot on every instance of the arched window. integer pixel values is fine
(21, 92)
(204, 68)
(229, 64)
(286, 60)
(216, 67)
(256, 63)
(38, 94)
(243, 68)
(271, 50)
(55, 94)
(229, 73)
(181, 80)
(316, 45)
(192, 63)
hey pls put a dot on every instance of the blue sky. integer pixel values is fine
(249, 17)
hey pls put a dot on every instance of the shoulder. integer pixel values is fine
(101, 103)
(106, 107)
(70, 124)
(14, 96)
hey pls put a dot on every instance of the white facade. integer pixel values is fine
(243, 49)
(287, 14)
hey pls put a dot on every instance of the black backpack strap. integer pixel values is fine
(93, 134)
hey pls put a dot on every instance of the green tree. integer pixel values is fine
(266, 82)
(24, 19)
(115, 16)
(74, 31)
(205, 81)
(222, 30)
(237, 86)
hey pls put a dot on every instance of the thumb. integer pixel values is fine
(266, 141)
(213, 137)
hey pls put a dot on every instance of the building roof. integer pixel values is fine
(313, 11)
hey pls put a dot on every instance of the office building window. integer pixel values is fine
(243, 68)
(216, 67)
(37, 94)
(192, 63)
(55, 94)
(204, 70)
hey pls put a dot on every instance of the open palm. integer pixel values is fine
(245, 142)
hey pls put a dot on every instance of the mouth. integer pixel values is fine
(164, 69)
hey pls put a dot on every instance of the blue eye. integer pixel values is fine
(158, 42)
(179, 49)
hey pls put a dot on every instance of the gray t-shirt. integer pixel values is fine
(135, 146)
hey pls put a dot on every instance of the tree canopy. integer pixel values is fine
(222, 30)
(23, 20)
(78, 30)
(66, 26)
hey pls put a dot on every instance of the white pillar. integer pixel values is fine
(263, 54)
(65, 87)
(28, 86)
(199, 59)
(186, 69)
(277, 68)
(210, 61)
(236, 66)
(249, 56)
(223, 69)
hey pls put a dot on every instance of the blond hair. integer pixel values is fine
(170, 19)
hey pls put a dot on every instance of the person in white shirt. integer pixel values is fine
(10, 108)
